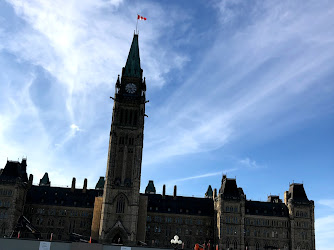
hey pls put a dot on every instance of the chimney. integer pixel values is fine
(84, 190)
(31, 177)
(286, 197)
(73, 185)
(163, 191)
(174, 192)
(214, 193)
(24, 164)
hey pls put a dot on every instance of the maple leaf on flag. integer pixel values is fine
(141, 17)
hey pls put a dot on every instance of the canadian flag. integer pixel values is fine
(141, 17)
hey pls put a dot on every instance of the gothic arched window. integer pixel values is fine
(235, 245)
(125, 116)
(3, 228)
(257, 246)
(120, 205)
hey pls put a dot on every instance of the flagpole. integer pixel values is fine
(137, 24)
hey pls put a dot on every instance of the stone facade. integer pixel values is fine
(13, 188)
(116, 212)
(248, 224)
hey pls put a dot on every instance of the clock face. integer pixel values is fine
(131, 88)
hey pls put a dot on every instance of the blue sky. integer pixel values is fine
(237, 87)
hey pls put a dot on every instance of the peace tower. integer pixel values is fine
(120, 204)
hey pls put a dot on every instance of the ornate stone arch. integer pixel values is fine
(306, 246)
(118, 234)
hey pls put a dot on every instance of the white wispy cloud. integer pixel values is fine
(194, 178)
(249, 163)
(324, 228)
(201, 176)
(75, 50)
(75, 127)
(327, 202)
(265, 78)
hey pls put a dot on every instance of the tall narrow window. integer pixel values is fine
(121, 116)
(121, 140)
(120, 205)
(126, 117)
(130, 117)
(135, 119)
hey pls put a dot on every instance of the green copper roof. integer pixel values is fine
(100, 183)
(45, 180)
(150, 189)
(209, 192)
(132, 66)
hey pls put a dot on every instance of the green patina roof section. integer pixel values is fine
(150, 189)
(132, 66)
(100, 183)
(45, 180)
(209, 192)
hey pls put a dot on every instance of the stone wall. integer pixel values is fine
(161, 228)
(12, 199)
(59, 220)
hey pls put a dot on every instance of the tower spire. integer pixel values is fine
(132, 66)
